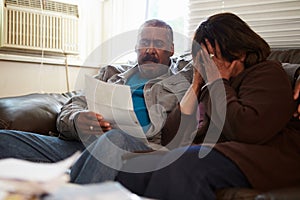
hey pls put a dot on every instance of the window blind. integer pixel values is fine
(277, 21)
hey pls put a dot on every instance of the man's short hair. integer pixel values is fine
(160, 24)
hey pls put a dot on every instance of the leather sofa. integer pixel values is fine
(34, 112)
(37, 113)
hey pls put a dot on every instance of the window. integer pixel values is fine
(175, 14)
(277, 21)
(128, 15)
(49, 31)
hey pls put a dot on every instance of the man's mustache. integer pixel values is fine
(150, 58)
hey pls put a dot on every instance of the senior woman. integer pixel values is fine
(250, 138)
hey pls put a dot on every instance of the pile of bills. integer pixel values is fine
(30, 178)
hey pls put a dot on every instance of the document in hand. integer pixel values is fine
(114, 103)
(30, 178)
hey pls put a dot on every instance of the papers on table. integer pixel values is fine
(114, 103)
(100, 191)
(31, 178)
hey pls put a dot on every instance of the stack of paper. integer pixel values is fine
(29, 178)
(100, 191)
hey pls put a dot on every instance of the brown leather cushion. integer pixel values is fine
(33, 112)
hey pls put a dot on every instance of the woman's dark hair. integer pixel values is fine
(234, 37)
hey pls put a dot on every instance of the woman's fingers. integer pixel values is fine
(210, 49)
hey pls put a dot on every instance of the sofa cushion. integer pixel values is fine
(292, 70)
(285, 55)
(35, 112)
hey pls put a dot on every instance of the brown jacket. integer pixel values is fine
(258, 133)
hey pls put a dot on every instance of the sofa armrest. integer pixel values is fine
(35, 112)
(285, 55)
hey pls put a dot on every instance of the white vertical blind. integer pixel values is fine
(277, 21)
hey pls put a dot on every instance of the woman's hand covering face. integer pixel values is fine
(211, 65)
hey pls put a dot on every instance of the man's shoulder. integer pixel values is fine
(106, 72)
(182, 62)
(183, 68)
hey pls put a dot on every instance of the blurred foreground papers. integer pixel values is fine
(20, 176)
(98, 191)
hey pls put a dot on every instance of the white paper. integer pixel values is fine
(114, 103)
(100, 191)
(33, 178)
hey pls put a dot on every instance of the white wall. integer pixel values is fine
(24, 74)
(17, 78)
(99, 21)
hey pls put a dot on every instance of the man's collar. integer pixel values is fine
(172, 68)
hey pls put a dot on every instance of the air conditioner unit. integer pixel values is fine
(39, 25)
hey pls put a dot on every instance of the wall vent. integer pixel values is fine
(39, 25)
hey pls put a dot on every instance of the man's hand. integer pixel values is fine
(91, 123)
(296, 96)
